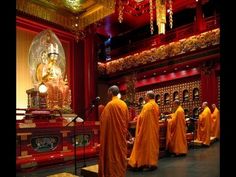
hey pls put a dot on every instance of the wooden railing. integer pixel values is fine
(158, 40)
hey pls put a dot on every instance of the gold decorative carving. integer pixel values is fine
(24, 153)
(64, 133)
(25, 156)
(65, 148)
(182, 46)
(55, 11)
(27, 125)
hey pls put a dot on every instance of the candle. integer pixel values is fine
(51, 48)
(56, 49)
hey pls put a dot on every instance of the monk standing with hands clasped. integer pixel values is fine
(113, 136)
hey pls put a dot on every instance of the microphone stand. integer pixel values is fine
(87, 110)
(193, 122)
(74, 137)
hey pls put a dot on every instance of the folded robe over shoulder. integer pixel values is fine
(113, 135)
(204, 126)
(176, 141)
(145, 151)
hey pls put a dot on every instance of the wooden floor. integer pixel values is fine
(63, 175)
(199, 162)
(182, 163)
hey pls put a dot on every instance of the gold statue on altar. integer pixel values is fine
(47, 66)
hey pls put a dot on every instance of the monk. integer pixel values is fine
(113, 136)
(176, 141)
(145, 151)
(100, 109)
(204, 125)
(215, 122)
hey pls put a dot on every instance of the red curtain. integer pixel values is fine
(200, 24)
(209, 87)
(78, 78)
(90, 88)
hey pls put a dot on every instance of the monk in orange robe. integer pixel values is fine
(100, 109)
(215, 122)
(113, 137)
(176, 141)
(145, 151)
(204, 125)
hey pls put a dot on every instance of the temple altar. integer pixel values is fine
(44, 140)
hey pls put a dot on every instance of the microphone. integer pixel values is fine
(95, 101)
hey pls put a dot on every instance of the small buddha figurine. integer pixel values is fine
(53, 71)
(41, 70)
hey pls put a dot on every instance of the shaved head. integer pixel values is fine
(177, 102)
(114, 90)
(150, 94)
(213, 106)
(204, 104)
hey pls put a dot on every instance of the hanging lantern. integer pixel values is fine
(161, 15)
(170, 14)
(151, 16)
(121, 5)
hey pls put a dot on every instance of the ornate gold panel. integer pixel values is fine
(61, 13)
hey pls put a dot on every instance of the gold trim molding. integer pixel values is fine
(56, 14)
(200, 41)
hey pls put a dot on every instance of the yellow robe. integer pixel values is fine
(113, 135)
(145, 151)
(176, 141)
(215, 121)
(204, 126)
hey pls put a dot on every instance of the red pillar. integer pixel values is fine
(78, 74)
(209, 86)
(89, 72)
(200, 24)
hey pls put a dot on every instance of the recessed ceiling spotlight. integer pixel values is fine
(164, 71)
(187, 66)
(176, 69)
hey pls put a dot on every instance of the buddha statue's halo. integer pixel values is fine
(38, 53)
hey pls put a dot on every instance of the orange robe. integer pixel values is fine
(100, 109)
(204, 126)
(145, 151)
(215, 123)
(176, 141)
(113, 135)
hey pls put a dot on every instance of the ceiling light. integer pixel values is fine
(73, 5)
